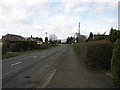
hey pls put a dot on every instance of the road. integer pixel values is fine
(28, 70)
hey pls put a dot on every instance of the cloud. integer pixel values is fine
(26, 17)
(109, 20)
(62, 25)
(100, 7)
(17, 10)
(81, 9)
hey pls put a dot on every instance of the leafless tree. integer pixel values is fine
(52, 37)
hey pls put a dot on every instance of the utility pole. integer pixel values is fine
(79, 33)
(79, 29)
(46, 34)
(118, 17)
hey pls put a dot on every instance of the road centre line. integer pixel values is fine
(15, 63)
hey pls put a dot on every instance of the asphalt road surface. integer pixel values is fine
(28, 70)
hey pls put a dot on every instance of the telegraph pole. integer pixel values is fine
(46, 34)
(79, 29)
(79, 33)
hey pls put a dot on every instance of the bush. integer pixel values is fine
(114, 35)
(4, 49)
(96, 54)
(14, 47)
(44, 45)
(115, 64)
(17, 46)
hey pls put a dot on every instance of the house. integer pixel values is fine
(29, 39)
(39, 40)
(12, 37)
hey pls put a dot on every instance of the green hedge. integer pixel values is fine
(17, 46)
(4, 49)
(115, 64)
(14, 47)
(96, 54)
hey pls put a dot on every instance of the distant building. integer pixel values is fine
(12, 37)
(29, 39)
(39, 40)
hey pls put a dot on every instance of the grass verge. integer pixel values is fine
(13, 54)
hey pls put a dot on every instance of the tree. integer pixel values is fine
(101, 36)
(46, 39)
(77, 39)
(114, 34)
(53, 37)
(68, 40)
(82, 38)
(90, 38)
(115, 63)
(41, 39)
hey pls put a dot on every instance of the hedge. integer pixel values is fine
(115, 64)
(17, 46)
(14, 47)
(96, 54)
(4, 49)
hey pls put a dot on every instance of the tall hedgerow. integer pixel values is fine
(95, 54)
(115, 64)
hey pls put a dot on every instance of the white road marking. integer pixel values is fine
(49, 78)
(35, 56)
(15, 63)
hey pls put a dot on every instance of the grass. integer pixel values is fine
(13, 54)
(9, 55)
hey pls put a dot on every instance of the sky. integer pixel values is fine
(35, 17)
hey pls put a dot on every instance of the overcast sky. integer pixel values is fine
(35, 17)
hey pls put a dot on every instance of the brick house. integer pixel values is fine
(12, 37)
(34, 39)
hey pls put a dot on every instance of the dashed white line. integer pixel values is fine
(15, 63)
(35, 56)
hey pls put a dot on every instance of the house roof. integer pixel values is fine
(12, 37)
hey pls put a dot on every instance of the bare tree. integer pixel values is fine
(52, 37)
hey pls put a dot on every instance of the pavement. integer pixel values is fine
(70, 73)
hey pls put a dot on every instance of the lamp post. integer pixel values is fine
(46, 34)
(79, 33)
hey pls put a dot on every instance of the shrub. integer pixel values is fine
(114, 35)
(14, 47)
(99, 55)
(115, 64)
(17, 46)
(44, 45)
(96, 54)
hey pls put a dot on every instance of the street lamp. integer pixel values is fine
(46, 34)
